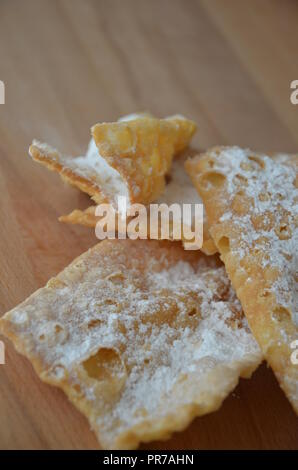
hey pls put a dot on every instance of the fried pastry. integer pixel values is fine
(127, 158)
(251, 203)
(178, 190)
(141, 335)
(85, 217)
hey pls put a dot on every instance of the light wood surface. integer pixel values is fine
(67, 64)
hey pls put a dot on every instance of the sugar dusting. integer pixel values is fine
(170, 322)
(269, 183)
(180, 190)
(95, 167)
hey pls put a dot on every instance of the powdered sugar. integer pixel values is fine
(169, 319)
(95, 167)
(271, 221)
(179, 190)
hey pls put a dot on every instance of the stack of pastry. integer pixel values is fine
(143, 335)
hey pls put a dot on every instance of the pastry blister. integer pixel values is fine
(142, 336)
(251, 201)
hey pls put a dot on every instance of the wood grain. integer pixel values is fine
(70, 63)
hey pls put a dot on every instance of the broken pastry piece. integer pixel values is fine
(142, 150)
(251, 202)
(141, 335)
(86, 217)
(114, 167)
(178, 190)
(127, 158)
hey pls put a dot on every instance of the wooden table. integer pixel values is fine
(67, 64)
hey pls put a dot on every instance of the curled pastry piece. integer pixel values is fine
(251, 202)
(114, 167)
(178, 190)
(127, 158)
(141, 335)
(142, 149)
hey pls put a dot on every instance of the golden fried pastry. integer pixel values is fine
(142, 149)
(110, 170)
(141, 335)
(127, 158)
(251, 203)
(178, 190)
(85, 217)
